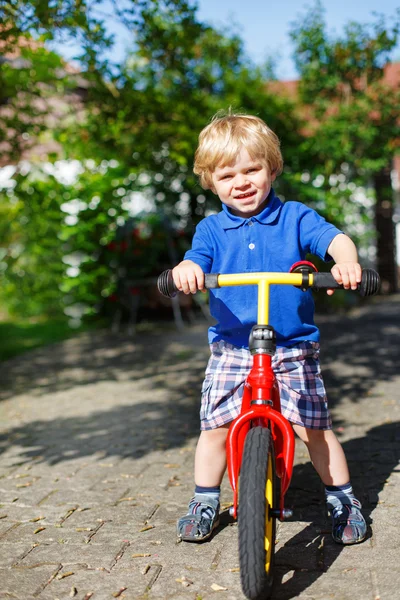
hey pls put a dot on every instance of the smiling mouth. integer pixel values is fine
(246, 195)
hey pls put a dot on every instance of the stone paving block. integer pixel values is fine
(385, 526)
(153, 480)
(28, 497)
(12, 554)
(160, 548)
(5, 471)
(93, 556)
(8, 494)
(25, 584)
(89, 516)
(385, 580)
(25, 514)
(166, 513)
(7, 526)
(301, 552)
(102, 584)
(62, 497)
(111, 533)
(344, 584)
(363, 555)
(202, 578)
(39, 533)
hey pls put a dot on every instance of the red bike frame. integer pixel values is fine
(261, 385)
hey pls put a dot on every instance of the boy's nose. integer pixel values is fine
(241, 181)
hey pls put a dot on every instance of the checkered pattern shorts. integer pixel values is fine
(297, 370)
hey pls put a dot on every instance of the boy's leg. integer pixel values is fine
(326, 454)
(210, 464)
(329, 460)
(210, 458)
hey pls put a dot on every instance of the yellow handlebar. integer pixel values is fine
(263, 281)
(305, 279)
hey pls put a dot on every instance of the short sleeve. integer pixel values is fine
(315, 232)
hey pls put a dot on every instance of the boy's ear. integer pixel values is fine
(273, 176)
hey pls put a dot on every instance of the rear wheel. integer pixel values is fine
(257, 488)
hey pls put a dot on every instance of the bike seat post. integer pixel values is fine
(262, 345)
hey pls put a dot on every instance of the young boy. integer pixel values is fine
(238, 158)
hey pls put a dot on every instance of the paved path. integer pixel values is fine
(97, 442)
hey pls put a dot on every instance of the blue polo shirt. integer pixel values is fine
(273, 240)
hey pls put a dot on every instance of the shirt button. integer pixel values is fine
(252, 246)
(250, 223)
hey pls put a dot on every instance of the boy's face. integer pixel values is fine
(243, 185)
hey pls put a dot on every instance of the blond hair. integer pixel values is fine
(223, 138)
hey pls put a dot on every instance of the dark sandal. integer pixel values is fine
(196, 527)
(348, 523)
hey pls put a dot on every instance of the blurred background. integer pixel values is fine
(101, 103)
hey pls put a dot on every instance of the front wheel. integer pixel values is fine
(255, 520)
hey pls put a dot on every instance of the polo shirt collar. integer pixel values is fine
(230, 221)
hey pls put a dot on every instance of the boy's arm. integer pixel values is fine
(347, 270)
(188, 277)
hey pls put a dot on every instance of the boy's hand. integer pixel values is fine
(346, 271)
(348, 274)
(188, 277)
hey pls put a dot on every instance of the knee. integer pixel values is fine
(215, 435)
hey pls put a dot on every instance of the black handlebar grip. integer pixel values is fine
(370, 282)
(324, 281)
(167, 287)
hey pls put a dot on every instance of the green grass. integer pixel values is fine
(17, 337)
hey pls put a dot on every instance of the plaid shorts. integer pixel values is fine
(297, 371)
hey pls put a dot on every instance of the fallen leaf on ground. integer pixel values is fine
(39, 529)
(218, 588)
(146, 528)
(184, 581)
(64, 575)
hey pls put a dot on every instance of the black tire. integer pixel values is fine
(257, 489)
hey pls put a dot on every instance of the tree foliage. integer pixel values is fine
(31, 254)
(354, 112)
(134, 131)
(138, 125)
